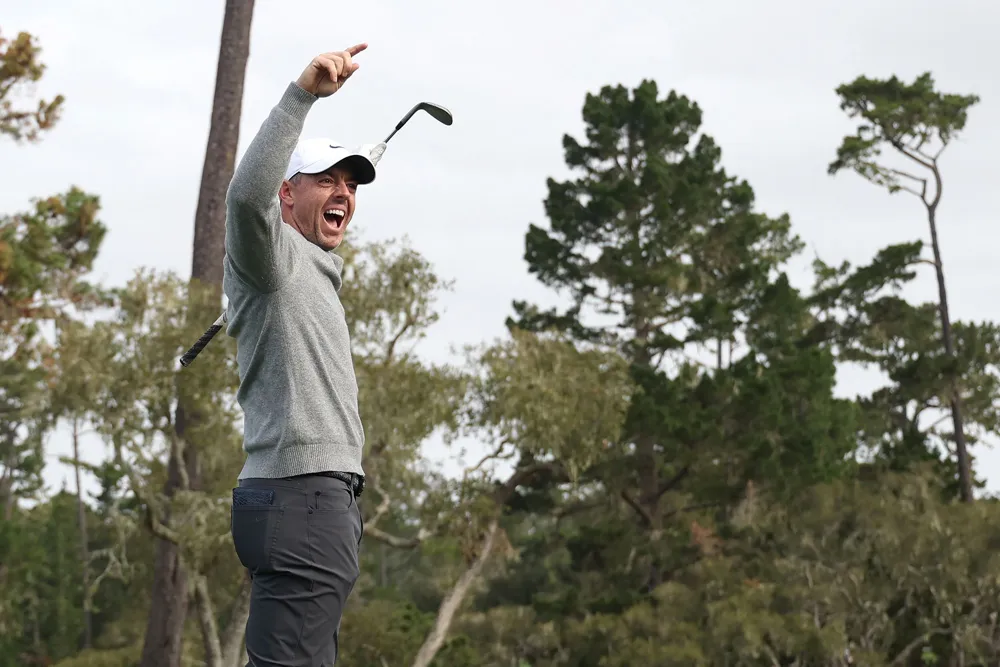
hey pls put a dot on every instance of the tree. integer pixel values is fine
(128, 362)
(19, 68)
(45, 256)
(665, 261)
(664, 258)
(863, 316)
(918, 123)
(170, 587)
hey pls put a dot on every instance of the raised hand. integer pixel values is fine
(328, 72)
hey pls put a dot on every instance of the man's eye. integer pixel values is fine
(353, 187)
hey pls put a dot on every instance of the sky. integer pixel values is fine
(138, 80)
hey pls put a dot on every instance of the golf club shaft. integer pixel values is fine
(400, 125)
(205, 339)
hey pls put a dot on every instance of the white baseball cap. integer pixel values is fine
(313, 156)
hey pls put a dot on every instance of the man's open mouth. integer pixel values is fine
(334, 216)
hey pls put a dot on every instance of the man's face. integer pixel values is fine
(320, 206)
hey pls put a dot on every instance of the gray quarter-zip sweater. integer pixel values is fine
(297, 386)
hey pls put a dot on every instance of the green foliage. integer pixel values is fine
(118, 657)
(911, 118)
(549, 399)
(384, 632)
(44, 256)
(19, 68)
(653, 235)
(919, 123)
(866, 321)
(389, 298)
(40, 614)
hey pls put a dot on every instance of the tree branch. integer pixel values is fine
(901, 658)
(906, 174)
(232, 641)
(449, 606)
(206, 619)
(908, 152)
(390, 349)
(671, 483)
(177, 452)
(495, 454)
(395, 540)
(372, 530)
(153, 522)
(522, 475)
(647, 518)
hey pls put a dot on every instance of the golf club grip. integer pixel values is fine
(200, 345)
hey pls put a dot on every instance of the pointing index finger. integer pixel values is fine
(357, 48)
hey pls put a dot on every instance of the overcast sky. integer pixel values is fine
(138, 80)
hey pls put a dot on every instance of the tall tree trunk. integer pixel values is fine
(961, 450)
(168, 611)
(223, 141)
(81, 517)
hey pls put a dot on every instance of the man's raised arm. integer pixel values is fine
(253, 213)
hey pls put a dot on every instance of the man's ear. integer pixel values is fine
(285, 192)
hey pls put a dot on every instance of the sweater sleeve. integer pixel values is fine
(255, 245)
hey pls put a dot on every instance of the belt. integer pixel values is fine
(354, 480)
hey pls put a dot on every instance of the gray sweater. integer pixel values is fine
(297, 386)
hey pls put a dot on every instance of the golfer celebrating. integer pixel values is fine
(296, 525)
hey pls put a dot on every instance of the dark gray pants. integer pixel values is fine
(298, 538)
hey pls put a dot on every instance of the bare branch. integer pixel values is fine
(177, 453)
(647, 518)
(373, 531)
(449, 606)
(903, 655)
(159, 529)
(906, 174)
(671, 483)
(390, 349)
(153, 521)
(395, 540)
(206, 619)
(232, 641)
(495, 454)
(910, 153)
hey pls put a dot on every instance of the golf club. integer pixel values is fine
(436, 111)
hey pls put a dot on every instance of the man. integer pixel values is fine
(296, 524)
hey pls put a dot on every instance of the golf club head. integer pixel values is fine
(438, 112)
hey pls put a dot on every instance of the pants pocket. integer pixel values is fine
(255, 524)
